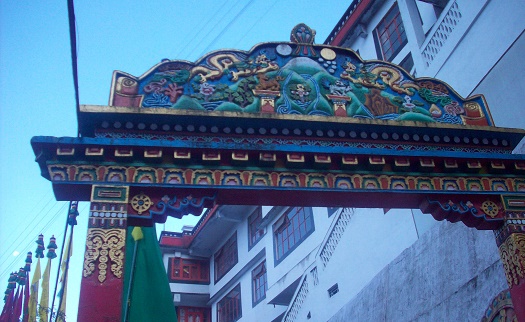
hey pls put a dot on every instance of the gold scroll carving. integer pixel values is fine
(106, 246)
(512, 253)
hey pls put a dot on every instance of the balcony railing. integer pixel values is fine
(445, 27)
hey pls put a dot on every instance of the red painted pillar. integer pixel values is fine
(511, 243)
(103, 273)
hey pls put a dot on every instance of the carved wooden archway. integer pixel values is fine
(286, 123)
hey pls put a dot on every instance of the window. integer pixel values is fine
(193, 314)
(229, 307)
(259, 283)
(331, 210)
(255, 233)
(226, 257)
(407, 63)
(389, 35)
(290, 230)
(333, 290)
(189, 270)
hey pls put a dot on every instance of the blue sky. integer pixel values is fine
(36, 85)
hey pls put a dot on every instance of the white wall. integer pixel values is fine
(427, 13)
(370, 242)
(484, 33)
(503, 87)
(492, 32)
(451, 274)
(294, 264)
(366, 46)
(484, 56)
(243, 254)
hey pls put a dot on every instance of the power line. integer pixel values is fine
(74, 64)
(213, 28)
(32, 211)
(256, 23)
(27, 247)
(226, 28)
(195, 35)
(30, 232)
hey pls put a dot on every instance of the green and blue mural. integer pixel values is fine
(297, 77)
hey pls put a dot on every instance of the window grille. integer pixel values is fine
(389, 35)
(188, 270)
(255, 233)
(229, 308)
(259, 283)
(226, 257)
(291, 229)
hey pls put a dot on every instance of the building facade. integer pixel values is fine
(471, 45)
(251, 263)
(248, 263)
(474, 46)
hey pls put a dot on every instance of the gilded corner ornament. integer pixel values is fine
(106, 247)
(512, 253)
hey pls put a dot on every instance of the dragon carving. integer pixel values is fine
(393, 78)
(261, 65)
(221, 62)
(390, 76)
(361, 77)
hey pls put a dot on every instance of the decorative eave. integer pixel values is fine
(350, 19)
(308, 172)
(158, 147)
(101, 119)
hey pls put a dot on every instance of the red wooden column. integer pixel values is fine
(103, 273)
(511, 243)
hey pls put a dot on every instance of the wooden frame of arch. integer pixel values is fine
(290, 123)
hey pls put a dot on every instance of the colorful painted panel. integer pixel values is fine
(301, 78)
(298, 179)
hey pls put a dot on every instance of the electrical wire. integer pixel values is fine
(74, 62)
(195, 35)
(27, 246)
(256, 23)
(226, 28)
(31, 232)
(33, 208)
(213, 28)
(34, 231)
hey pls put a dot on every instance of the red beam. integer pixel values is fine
(352, 20)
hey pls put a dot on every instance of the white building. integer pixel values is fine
(238, 253)
(363, 264)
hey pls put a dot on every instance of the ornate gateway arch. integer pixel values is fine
(286, 123)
